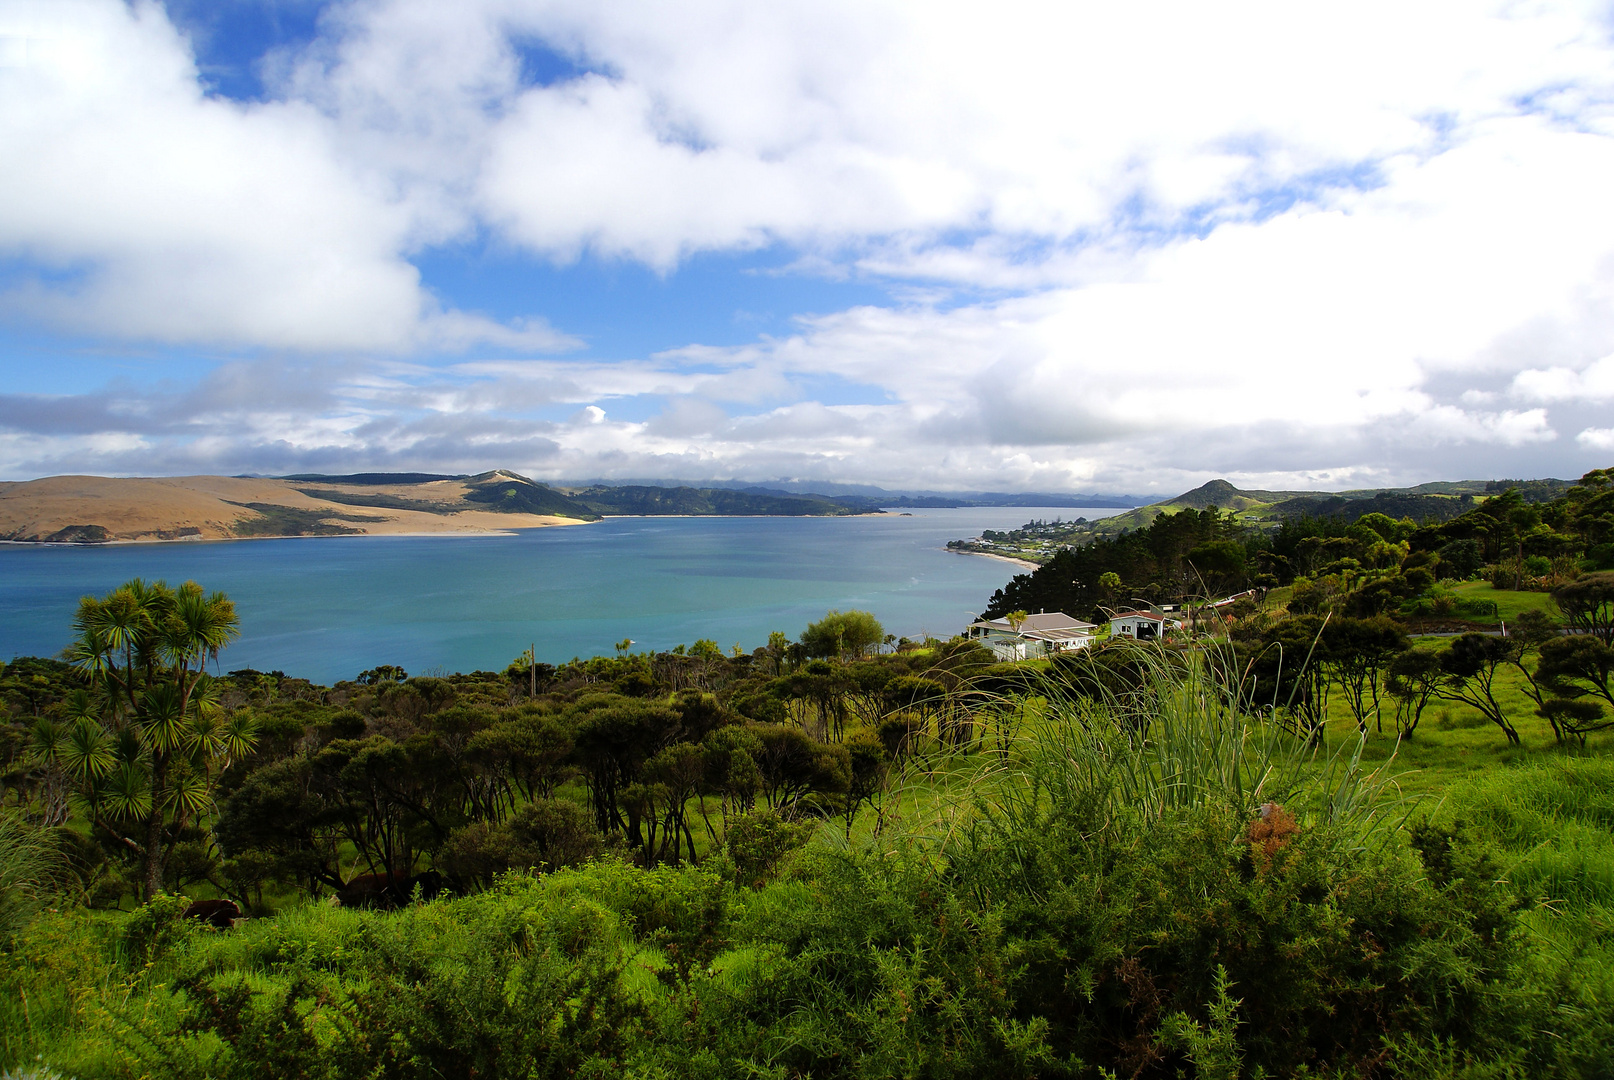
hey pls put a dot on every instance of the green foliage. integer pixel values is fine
(757, 841)
(146, 743)
(1178, 554)
(154, 929)
(30, 866)
(1212, 1048)
(842, 633)
(1085, 929)
(544, 835)
(1554, 821)
(1156, 869)
(1588, 604)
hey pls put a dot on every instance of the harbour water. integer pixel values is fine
(325, 608)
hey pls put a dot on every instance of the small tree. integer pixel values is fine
(1470, 674)
(149, 740)
(842, 633)
(1577, 671)
(1412, 678)
(1588, 605)
(1357, 652)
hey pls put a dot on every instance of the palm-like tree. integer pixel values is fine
(146, 739)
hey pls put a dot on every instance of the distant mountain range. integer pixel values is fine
(877, 496)
(96, 510)
(716, 496)
(88, 509)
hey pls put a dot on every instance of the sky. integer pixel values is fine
(1070, 246)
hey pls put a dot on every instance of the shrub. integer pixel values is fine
(152, 930)
(757, 841)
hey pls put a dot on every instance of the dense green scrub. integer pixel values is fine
(1145, 862)
(1082, 920)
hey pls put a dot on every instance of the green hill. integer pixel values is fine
(661, 501)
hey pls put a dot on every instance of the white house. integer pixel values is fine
(1040, 635)
(1142, 625)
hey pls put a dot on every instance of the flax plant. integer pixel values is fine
(1126, 736)
(28, 862)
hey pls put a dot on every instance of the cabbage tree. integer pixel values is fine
(145, 740)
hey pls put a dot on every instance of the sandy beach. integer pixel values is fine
(999, 558)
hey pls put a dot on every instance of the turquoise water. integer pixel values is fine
(326, 608)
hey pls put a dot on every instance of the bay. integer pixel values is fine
(326, 608)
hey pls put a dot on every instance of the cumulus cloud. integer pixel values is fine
(1597, 439)
(140, 208)
(1595, 382)
(1123, 245)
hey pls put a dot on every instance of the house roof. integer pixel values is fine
(1064, 634)
(1151, 616)
(1043, 622)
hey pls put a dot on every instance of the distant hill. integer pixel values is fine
(98, 509)
(876, 496)
(1217, 493)
(1003, 498)
(372, 478)
(1437, 501)
(1392, 504)
(653, 501)
(1221, 494)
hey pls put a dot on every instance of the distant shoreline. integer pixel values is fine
(465, 533)
(1001, 558)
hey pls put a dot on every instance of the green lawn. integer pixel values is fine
(1509, 604)
(1454, 741)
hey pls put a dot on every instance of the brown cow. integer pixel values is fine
(389, 890)
(219, 914)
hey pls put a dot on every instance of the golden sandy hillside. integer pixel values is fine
(92, 509)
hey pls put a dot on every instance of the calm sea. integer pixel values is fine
(326, 608)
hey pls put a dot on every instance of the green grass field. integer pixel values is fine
(1509, 604)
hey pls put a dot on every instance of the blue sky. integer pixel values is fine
(1074, 247)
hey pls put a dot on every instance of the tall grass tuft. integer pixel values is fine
(1136, 733)
(1554, 822)
(29, 863)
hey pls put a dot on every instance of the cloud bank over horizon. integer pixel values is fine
(1062, 247)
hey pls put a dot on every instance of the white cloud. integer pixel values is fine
(160, 214)
(1597, 439)
(1126, 243)
(1593, 383)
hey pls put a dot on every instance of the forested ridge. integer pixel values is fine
(1368, 563)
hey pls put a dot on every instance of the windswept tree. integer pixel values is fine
(842, 633)
(1577, 671)
(1412, 679)
(1588, 605)
(1470, 667)
(1357, 651)
(146, 742)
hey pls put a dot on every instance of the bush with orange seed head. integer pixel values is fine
(1272, 828)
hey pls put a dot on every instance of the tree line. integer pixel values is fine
(254, 780)
(1372, 565)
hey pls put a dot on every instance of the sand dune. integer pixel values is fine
(98, 509)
